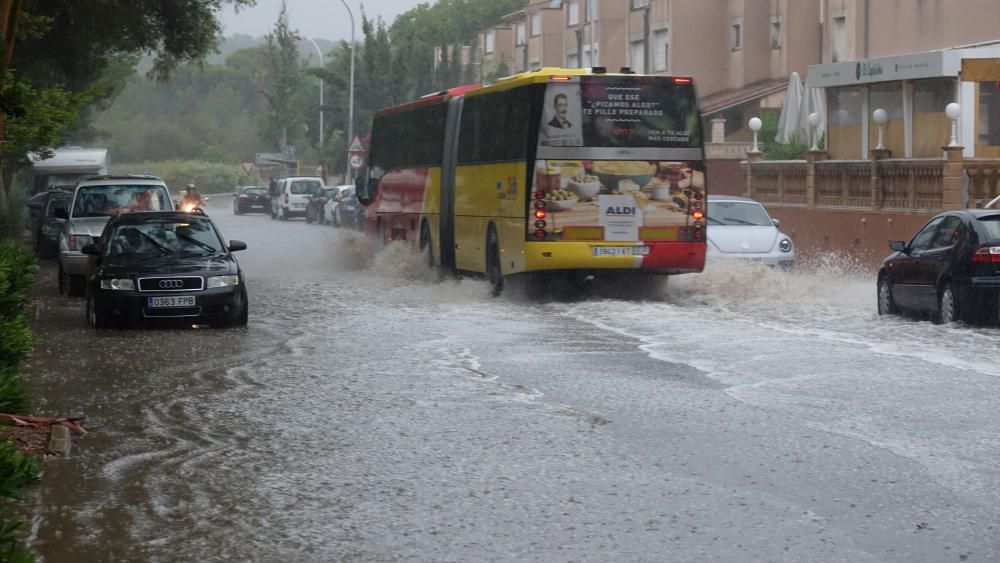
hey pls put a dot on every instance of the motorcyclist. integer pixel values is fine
(192, 199)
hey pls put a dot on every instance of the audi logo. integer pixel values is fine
(171, 284)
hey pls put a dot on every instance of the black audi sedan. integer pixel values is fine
(251, 199)
(950, 269)
(164, 265)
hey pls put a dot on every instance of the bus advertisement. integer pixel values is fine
(556, 170)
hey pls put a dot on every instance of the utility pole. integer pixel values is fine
(350, 110)
(321, 65)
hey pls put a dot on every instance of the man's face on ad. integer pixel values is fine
(562, 106)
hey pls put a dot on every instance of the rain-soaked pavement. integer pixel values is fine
(369, 413)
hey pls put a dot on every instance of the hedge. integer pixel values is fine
(17, 273)
(209, 177)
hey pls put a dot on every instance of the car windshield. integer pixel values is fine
(165, 237)
(255, 191)
(99, 201)
(738, 213)
(57, 201)
(992, 225)
(303, 187)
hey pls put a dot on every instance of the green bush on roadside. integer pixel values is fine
(17, 271)
(210, 177)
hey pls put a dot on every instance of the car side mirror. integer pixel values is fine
(237, 245)
(90, 249)
(897, 245)
(61, 213)
(776, 222)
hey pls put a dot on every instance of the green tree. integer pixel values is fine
(284, 121)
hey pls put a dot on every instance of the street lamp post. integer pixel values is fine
(320, 51)
(350, 108)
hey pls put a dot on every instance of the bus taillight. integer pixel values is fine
(682, 80)
(698, 215)
(540, 214)
(540, 234)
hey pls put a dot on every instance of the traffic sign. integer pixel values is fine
(356, 146)
(357, 161)
(247, 165)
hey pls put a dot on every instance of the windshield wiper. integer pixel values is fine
(207, 247)
(159, 246)
(742, 222)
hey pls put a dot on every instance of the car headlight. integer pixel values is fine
(785, 245)
(77, 242)
(222, 281)
(121, 284)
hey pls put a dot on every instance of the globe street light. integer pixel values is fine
(320, 51)
(350, 104)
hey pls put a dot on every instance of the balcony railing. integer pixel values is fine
(927, 184)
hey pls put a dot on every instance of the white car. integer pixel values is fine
(293, 195)
(330, 208)
(95, 201)
(740, 228)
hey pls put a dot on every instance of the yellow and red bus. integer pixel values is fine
(556, 170)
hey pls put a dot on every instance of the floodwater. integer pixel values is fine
(372, 413)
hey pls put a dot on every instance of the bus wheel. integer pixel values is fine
(425, 245)
(494, 271)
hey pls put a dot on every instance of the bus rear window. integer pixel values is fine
(622, 112)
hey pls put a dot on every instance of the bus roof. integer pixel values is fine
(429, 99)
(545, 75)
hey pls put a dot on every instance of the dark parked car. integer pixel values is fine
(45, 225)
(252, 199)
(317, 202)
(349, 212)
(950, 269)
(164, 265)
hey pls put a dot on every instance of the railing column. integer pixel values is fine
(877, 155)
(951, 180)
(752, 157)
(811, 157)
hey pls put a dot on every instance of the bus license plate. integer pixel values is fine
(170, 301)
(621, 251)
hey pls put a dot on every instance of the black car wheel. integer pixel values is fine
(236, 209)
(886, 304)
(96, 318)
(948, 311)
(63, 281)
(70, 285)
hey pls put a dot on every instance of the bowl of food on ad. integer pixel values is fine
(561, 199)
(612, 172)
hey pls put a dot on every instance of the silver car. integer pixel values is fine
(740, 228)
(96, 200)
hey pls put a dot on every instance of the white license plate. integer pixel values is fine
(621, 251)
(170, 301)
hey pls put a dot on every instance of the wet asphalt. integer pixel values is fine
(370, 412)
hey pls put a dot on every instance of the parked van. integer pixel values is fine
(66, 166)
(293, 196)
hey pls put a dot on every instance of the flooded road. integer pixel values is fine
(369, 413)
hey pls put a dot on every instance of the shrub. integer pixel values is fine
(210, 177)
(17, 269)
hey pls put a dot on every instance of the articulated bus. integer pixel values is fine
(574, 171)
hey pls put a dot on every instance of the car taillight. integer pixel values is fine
(244, 196)
(987, 254)
(286, 199)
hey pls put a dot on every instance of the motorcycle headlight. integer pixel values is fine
(785, 245)
(77, 242)
(222, 281)
(120, 284)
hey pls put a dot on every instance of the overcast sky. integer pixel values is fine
(323, 19)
